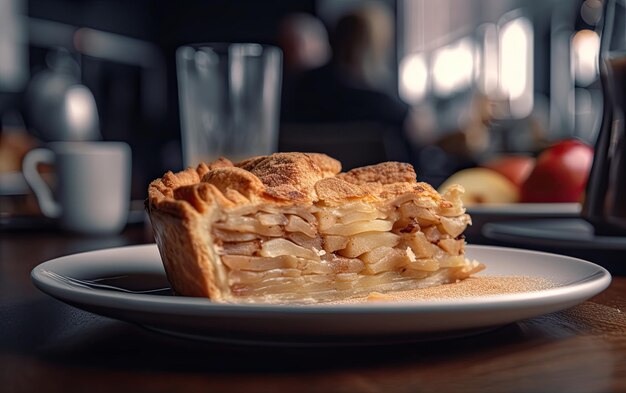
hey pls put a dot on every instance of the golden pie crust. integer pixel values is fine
(290, 227)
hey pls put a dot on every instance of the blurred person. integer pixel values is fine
(362, 43)
(351, 87)
(304, 41)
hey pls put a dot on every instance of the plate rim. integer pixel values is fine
(585, 288)
(541, 209)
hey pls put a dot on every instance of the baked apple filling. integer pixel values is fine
(290, 228)
(325, 253)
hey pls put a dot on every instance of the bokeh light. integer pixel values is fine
(413, 78)
(585, 50)
(453, 67)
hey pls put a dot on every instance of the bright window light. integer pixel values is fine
(488, 74)
(413, 78)
(585, 50)
(516, 65)
(453, 67)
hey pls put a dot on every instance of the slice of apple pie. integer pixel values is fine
(290, 228)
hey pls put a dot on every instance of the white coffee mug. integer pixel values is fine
(93, 184)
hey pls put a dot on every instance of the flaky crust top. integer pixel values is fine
(284, 178)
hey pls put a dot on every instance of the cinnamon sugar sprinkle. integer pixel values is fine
(470, 287)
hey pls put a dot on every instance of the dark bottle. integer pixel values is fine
(605, 202)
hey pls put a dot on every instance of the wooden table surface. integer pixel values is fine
(46, 345)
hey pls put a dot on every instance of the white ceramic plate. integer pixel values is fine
(576, 280)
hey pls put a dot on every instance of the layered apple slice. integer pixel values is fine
(340, 252)
(289, 228)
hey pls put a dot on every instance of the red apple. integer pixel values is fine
(515, 168)
(560, 174)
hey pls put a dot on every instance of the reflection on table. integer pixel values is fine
(42, 339)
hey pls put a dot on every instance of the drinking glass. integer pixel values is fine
(229, 100)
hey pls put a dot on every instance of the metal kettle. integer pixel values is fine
(58, 106)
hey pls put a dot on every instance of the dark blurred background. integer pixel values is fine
(462, 80)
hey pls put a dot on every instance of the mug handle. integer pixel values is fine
(49, 207)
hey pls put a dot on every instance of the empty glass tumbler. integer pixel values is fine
(229, 100)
